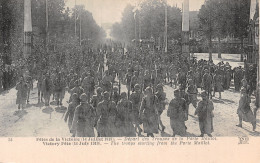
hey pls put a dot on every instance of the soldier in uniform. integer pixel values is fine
(161, 103)
(71, 109)
(185, 96)
(22, 90)
(238, 76)
(207, 82)
(84, 119)
(134, 80)
(228, 75)
(59, 88)
(182, 78)
(136, 98)
(77, 89)
(197, 77)
(147, 79)
(127, 80)
(107, 81)
(29, 81)
(173, 75)
(218, 85)
(96, 99)
(205, 113)
(39, 87)
(88, 84)
(47, 89)
(115, 95)
(244, 111)
(192, 93)
(106, 113)
(176, 112)
(149, 112)
(123, 121)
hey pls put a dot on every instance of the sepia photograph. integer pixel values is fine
(129, 68)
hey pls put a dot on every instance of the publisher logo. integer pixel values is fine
(243, 140)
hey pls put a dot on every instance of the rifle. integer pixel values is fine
(119, 86)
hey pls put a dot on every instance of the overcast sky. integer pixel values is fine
(110, 11)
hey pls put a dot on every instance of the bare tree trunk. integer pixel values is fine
(210, 48)
(241, 51)
(6, 32)
(219, 48)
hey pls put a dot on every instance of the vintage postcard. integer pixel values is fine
(129, 81)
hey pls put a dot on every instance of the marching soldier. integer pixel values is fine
(70, 111)
(115, 95)
(59, 89)
(244, 111)
(134, 80)
(128, 77)
(182, 78)
(173, 75)
(207, 82)
(22, 90)
(29, 81)
(147, 79)
(88, 84)
(136, 98)
(47, 89)
(218, 85)
(77, 89)
(161, 103)
(149, 112)
(107, 81)
(106, 113)
(205, 113)
(176, 111)
(124, 121)
(192, 93)
(39, 87)
(84, 119)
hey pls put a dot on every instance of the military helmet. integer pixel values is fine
(203, 94)
(74, 96)
(99, 90)
(176, 92)
(106, 95)
(137, 87)
(115, 89)
(123, 94)
(159, 86)
(148, 89)
(83, 98)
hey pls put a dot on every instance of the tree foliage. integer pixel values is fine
(150, 18)
(61, 36)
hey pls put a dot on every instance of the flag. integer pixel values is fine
(185, 16)
(252, 9)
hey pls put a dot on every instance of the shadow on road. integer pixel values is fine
(47, 110)
(228, 101)
(190, 135)
(20, 114)
(28, 105)
(53, 103)
(39, 105)
(61, 109)
(165, 134)
(252, 133)
(217, 101)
